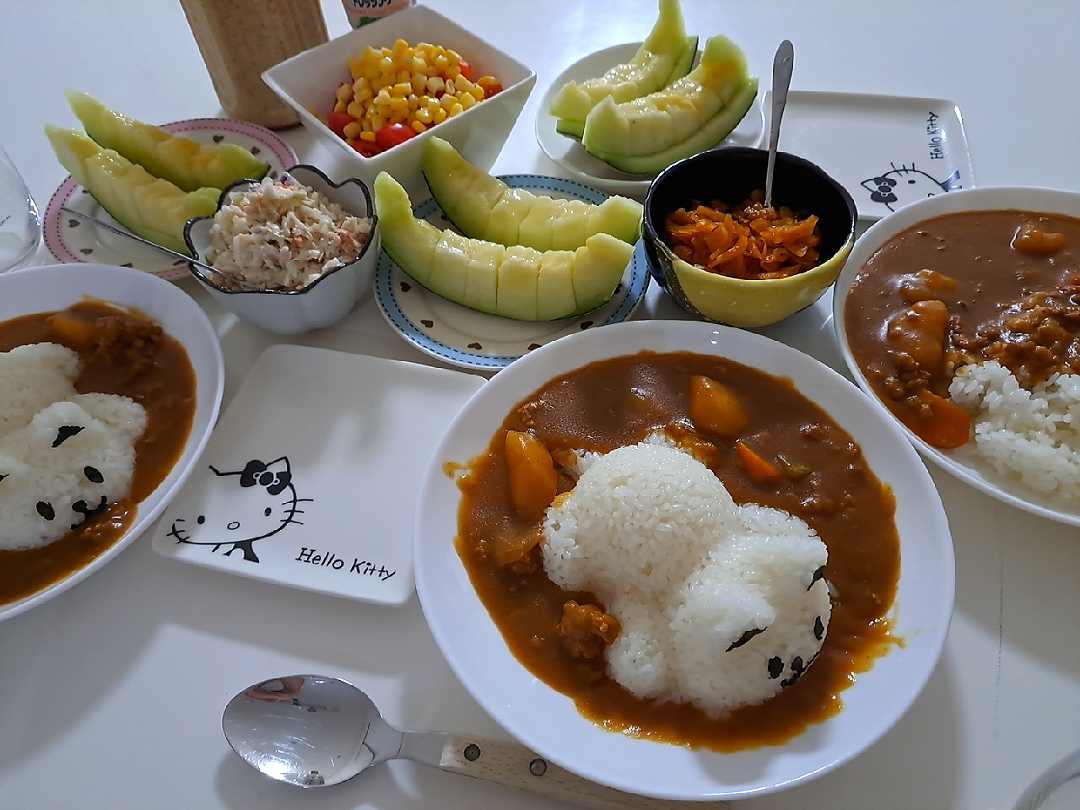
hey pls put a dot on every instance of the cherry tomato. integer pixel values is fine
(466, 69)
(366, 148)
(391, 135)
(337, 121)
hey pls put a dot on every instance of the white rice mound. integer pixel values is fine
(1033, 434)
(60, 452)
(653, 533)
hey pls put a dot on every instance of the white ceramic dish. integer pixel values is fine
(887, 151)
(53, 287)
(964, 462)
(70, 240)
(324, 301)
(571, 155)
(548, 722)
(307, 83)
(470, 339)
(342, 437)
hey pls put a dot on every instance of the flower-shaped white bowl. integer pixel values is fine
(308, 81)
(323, 302)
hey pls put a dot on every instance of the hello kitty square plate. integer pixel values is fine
(311, 476)
(887, 151)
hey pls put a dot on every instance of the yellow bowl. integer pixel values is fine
(730, 174)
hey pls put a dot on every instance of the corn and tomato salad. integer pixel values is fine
(399, 92)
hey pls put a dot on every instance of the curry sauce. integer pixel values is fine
(125, 353)
(828, 484)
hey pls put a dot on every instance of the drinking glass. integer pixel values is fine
(20, 222)
(1057, 788)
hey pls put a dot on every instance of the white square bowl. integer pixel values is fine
(308, 82)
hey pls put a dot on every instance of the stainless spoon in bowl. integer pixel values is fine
(314, 731)
(783, 64)
(224, 278)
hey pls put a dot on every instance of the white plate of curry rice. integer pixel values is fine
(80, 483)
(960, 316)
(630, 698)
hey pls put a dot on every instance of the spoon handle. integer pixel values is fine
(783, 63)
(514, 765)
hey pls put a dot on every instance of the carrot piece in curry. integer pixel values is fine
(758, 468)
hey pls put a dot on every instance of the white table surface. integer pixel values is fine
(112, 692)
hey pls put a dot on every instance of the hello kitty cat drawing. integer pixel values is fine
(261, 502)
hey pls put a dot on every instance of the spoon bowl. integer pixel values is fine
(314, 731)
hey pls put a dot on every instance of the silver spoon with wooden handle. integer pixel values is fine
(315, 731)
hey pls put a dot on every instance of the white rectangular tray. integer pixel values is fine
(887, 151)
(310, 478)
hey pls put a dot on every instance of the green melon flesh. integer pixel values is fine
(514, 282)
(665, 55)
(661, 121)
(484, 207)
(709, 135)
(180, 160)
(147, 206)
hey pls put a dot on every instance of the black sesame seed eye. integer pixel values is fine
(45, 510)
(65, 432)
(93, 475)
(267, 511)
(201, 519)
(776, 666)
(819, 628)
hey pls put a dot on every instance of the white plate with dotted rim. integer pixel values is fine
(469, 339)
(70, 240)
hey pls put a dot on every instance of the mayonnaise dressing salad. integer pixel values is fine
(281, 234)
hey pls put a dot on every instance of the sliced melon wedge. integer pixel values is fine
(148, 206)
(665, 55)
(514, 282)
(711, 99)
(183, 162)
(483, 207)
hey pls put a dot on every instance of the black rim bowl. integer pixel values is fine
(731, 174)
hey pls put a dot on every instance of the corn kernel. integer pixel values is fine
(440, 115)
(356, 110)
(466, 100)
(367, 135)
(456, 109)
(418, 128)
(424, 116)
(352, 129)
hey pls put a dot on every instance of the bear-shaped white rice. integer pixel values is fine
(32, 377)
(720, 605)
(73, 458)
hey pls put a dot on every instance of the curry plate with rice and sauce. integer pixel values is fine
(104, 407)
(692, 554)
(961, 316)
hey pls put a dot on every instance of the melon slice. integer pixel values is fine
(147, 206)
(514, 282)
(484, 207)
(183, 162)
(693, 113)
(666, 55)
